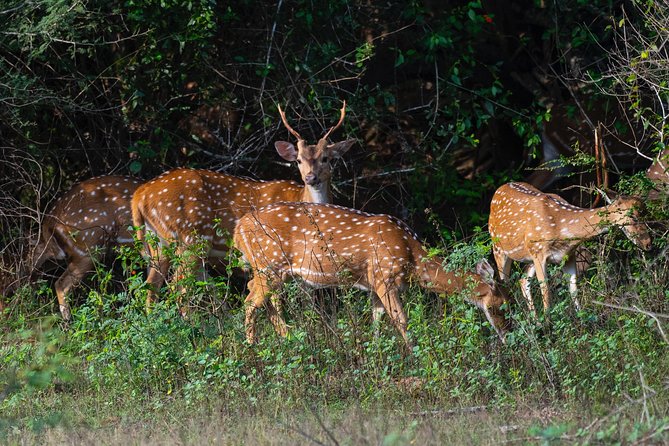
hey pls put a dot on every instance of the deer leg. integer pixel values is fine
(189, 264)
(525, 287)
(74, 273)
(570, 269)
(540, 267)
(390, 299)
(259, 290)
(274, 307)
(255, 298)
(503, 265)
(159, 265)
(176, 281)
(377, 312)
(41, 256)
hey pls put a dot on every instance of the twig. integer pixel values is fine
(269, 52)
(320, 422)
(302, 433)
(635, 309)
(645, 439)
(643, 399)
(375, 175)
(450, 412)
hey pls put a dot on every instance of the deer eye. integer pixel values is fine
(299, 161)
(325, 159)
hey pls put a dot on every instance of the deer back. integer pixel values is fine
(91, 214)
(183, 202)
(326, 244)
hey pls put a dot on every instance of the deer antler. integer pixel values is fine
(341, 119)
(285, 123)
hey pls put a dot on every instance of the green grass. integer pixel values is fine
(119, 375)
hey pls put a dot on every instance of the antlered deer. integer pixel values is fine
(184, 203)
(527, 225)
(328, 245)
(92, 214)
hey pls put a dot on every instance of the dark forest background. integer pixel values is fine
(448, 99)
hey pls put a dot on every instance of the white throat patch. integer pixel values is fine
(318, 195)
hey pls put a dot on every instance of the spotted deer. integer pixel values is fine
(183, 205)
(327, 246)
(527, 225)
(93, 214)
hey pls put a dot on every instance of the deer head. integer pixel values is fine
(625, 212)
(313, 160)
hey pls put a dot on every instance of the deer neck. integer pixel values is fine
(431, 276)
(593, 222)
(317, 194)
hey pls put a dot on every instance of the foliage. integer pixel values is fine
(448, 100)
(333, 354)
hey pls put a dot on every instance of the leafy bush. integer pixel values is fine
(447, 100)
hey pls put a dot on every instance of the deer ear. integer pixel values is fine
(286, 150)
(486, 272)
(339, 148)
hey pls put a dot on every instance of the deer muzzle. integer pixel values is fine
(311, 179)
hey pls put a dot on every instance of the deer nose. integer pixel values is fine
(311, 179)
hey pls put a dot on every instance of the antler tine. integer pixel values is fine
(285, 123)
(341, 119)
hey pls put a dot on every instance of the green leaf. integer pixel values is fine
(135, 167)
(399, 60)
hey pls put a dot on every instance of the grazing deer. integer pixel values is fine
(328, 245)
(92, 214)
(527, 225)
(184, 203)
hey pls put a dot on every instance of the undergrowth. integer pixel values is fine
(114, 359)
